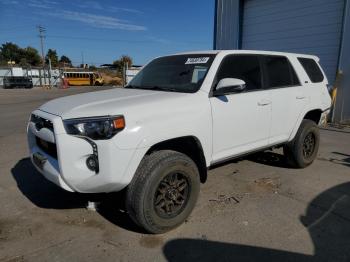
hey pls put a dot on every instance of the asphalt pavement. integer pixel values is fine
(251, 209)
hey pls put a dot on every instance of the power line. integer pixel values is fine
(10, 28)
(109, 40)
(98, 39)
(115, 40)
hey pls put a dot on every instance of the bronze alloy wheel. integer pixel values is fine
(163, 192)
(302, 150)
(171, 195)
(309, 145)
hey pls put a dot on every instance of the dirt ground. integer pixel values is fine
(252, 209)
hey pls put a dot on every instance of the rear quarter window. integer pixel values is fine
(312, 69)
(280, 72)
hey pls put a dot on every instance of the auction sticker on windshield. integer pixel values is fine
(197, 60)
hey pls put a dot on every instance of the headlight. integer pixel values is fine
(95, 127)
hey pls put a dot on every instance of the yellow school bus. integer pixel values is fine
(83, 78)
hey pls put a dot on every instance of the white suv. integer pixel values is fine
(181, 114)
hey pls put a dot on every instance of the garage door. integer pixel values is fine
(301, 26)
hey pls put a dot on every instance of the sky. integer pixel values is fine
(99, 32)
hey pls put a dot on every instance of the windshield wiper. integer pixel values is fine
(162, 88)
(131, 86)
(155, 87)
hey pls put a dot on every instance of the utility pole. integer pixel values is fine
(82, 60)
(42, 31)
(50, 70)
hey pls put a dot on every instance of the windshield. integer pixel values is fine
(179, 73)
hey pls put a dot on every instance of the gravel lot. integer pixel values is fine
(253, 209)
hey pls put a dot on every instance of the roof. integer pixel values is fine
(236, 51)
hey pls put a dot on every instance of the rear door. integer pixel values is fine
(287, 96)
(241, 121)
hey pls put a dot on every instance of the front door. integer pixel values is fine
(241, 121)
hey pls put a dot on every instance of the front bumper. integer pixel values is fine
(69, 170)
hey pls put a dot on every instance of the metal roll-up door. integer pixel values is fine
(300, 26)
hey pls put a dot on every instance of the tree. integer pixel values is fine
(52, 55)
(126, 60)
(10, 52)
(65, 61)
(122, 61)
(23, 62)
(31, 55)
(22, 56)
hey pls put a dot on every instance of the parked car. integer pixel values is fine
(179, 116)
(18, 82)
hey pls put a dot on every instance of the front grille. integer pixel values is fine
(48, 147)
(41, 122)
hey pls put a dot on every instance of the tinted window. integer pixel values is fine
(244, 67)
(279, 72)
(178, 73)
(312, 69)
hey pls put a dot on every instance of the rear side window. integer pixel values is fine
(312, 69)
(244, 67)
(280, 73)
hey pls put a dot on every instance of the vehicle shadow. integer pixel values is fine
(45, 194)
(269, 158)
(327, 220)
(345, 159)
(337, 129)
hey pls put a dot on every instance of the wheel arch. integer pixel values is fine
(188, 145)
(313, 114)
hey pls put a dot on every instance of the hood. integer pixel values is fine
(101, 103)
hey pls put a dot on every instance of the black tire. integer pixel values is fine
(302, 150)
(153, 189)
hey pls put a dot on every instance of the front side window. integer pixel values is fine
(178, 73)
(244, 67)
(279, 72)
(312, 69)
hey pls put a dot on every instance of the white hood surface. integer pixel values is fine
(109, 102)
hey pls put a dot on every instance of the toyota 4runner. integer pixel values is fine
(181, 114)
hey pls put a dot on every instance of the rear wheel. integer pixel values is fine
(163, 192)
(302, 150)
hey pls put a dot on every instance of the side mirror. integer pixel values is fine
(228, 86)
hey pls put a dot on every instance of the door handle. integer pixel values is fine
(300, 97)
(264, 102)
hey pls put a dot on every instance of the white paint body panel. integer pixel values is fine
(233, 133)
(226, 127)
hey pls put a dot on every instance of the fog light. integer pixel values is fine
(92, 163)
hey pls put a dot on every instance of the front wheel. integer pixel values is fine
(302, 150)
(163, 192)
